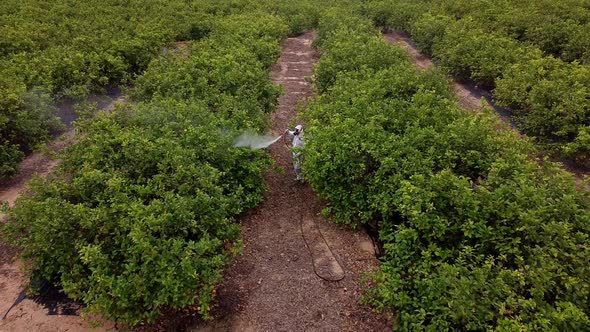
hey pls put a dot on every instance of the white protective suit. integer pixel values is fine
(297, 143)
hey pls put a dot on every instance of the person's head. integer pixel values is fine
(298, 129)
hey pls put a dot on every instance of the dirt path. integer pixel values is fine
(471, 97)
(30, 315)
(272, 286)
(37, 163)
(40, 163)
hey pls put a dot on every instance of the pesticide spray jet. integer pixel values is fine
(254, 141)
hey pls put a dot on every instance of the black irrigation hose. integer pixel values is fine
(50, 297)
(21, 296)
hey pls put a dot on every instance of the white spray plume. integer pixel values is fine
(255, 141)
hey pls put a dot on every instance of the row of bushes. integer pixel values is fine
(60, 50)
(139, 217)
(477, 234)
(63, 50)
(557, 27)
(550, 98)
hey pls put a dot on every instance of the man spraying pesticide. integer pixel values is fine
(255, 142)
(296, 146)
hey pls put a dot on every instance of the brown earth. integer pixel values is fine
(38, 163)
(473, 98)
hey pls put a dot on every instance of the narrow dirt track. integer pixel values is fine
(470, 97)
(272, 285)
(41, 164)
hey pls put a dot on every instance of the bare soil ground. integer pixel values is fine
(32, 314)
(37, 163)
(272, 286)
(473, 98)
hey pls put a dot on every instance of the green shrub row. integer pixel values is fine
(557, 27)
(60, 49)
(139, 217)
(300, 16)
(65, 50)
(477, 233)
(550, 98)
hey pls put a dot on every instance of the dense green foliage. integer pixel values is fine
(66, 49)
(477, 234)
(557, 27)
(139, 217)
(26, 120)
(534, 53)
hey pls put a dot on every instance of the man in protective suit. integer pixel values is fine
(296, 149)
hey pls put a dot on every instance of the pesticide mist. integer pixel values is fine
(254, 141)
